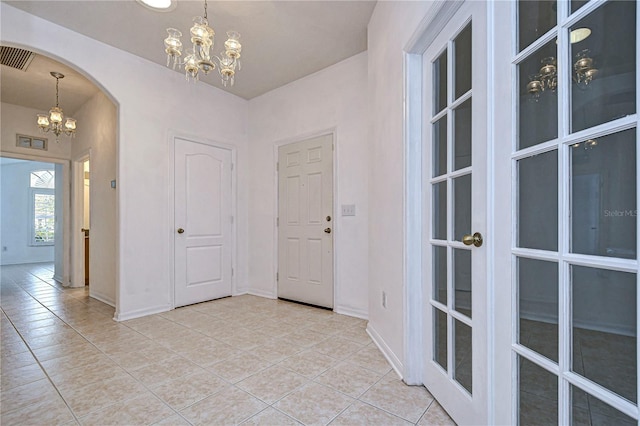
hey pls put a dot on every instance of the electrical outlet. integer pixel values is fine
(384, 299)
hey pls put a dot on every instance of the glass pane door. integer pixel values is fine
(454, 191)
(575, 255)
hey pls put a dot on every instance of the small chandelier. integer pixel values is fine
(53, 122)
(583, 70)
(198, 58)
(547, 78)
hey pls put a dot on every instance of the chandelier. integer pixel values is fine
(53, 122)
(547, 78)
(198, 58)
(583, 70)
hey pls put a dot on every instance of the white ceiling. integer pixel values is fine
(36, 88)
(282, 41)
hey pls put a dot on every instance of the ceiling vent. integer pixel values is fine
(16, 58)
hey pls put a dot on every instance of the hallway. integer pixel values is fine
(235, 360)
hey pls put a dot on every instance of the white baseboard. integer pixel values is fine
(58, 279)
(262, 293)
(352, 312)
(102, 298)
(123, 316)
(396, 364)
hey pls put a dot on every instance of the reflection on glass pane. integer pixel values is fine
(440, 83)
(603, 196)
(440, 147)
(535, 18)
(604, 328)
(604, 65)
(461, 207)
(462, 48)
(580, 414)
(440, 210)
(577, 4)
(463, 372)
(538, 100)
(440, 274)
(538, 202)
(537, 395)
(440, 337)
(587, 409)
(462, 135)
(462, 281)
(538, 306)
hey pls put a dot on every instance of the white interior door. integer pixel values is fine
(305, 222)
(455, 203)
(573, 344)
(203, 222)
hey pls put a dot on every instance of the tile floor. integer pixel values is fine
(241, 360)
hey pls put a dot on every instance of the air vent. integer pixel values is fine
(16, 58)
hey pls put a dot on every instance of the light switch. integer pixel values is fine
(348, 210)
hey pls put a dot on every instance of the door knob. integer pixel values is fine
(475, 239)
(327, 230)
(180, 231)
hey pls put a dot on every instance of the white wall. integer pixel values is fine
(389, 31)
(333, 99)
(152, 102)
(16, 215)
(97, 131)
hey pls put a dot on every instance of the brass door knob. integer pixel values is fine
(475, 239)
(180, 231)
(327, 230)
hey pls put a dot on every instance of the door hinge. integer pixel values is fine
(277, 167)
(232, 166)
(232, 272)
(277, 221)
(277, 276)
(232, 220)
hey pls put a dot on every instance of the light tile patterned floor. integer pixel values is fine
(237, 360)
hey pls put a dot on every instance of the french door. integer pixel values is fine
(574, 248)
(454, 202)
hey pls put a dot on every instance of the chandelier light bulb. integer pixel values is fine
(43, 121)
(70, 124)
(173, 46)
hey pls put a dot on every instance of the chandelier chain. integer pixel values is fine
(57, 81)
(205, 9)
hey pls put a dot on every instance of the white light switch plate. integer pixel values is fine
(348, 210)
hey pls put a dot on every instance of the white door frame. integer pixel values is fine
(77, 203)
(66, 209)
(414, 299)
(171, 231)
(335, 226)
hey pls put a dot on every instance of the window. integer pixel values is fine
(42, 207)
